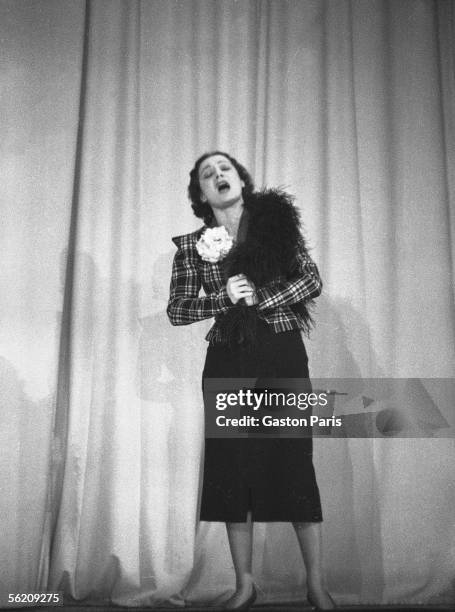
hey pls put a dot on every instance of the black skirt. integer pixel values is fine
(273, 478)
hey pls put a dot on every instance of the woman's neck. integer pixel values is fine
(230, 218)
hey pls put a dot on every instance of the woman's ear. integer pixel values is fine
(203, 198)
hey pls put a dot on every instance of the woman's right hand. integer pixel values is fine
(239, 287)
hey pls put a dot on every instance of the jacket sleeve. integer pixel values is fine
(306, 286)
(185, 306)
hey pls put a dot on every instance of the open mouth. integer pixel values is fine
(223, 186)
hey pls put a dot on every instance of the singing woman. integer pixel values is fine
(259, 281)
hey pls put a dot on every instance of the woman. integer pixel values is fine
(258, 287)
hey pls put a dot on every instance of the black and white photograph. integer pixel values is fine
(227, 305)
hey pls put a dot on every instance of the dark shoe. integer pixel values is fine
(314, 605)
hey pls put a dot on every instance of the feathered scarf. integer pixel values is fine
(269, 240)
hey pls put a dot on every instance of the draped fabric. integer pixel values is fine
(105, 106)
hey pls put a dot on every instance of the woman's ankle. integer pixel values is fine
(245, 582)
(315, 583)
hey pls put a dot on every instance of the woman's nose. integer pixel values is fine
(218, 172)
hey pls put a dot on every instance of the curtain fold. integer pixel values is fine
(348, 105)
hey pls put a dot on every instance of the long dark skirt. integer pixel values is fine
(273, 478)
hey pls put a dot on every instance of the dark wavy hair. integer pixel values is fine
(203, 210)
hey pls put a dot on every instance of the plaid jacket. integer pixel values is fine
(190, 273)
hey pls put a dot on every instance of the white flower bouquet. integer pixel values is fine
(214, 244)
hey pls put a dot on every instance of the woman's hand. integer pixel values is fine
(240, 287)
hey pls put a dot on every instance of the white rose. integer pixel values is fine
(214, 244)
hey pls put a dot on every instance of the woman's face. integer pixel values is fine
(220, 183)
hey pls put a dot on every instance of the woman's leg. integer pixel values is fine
(309, 536)
(240, 537)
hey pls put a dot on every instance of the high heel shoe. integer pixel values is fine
(314, 605)
(248, 602)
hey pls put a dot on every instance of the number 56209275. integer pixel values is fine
(55, 599)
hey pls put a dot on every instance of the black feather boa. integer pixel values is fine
(269, 239)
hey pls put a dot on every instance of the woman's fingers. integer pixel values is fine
(242, 284)
(242, 292)
(241, 280)
(239, 287)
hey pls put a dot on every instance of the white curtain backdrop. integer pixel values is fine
(105, 106)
